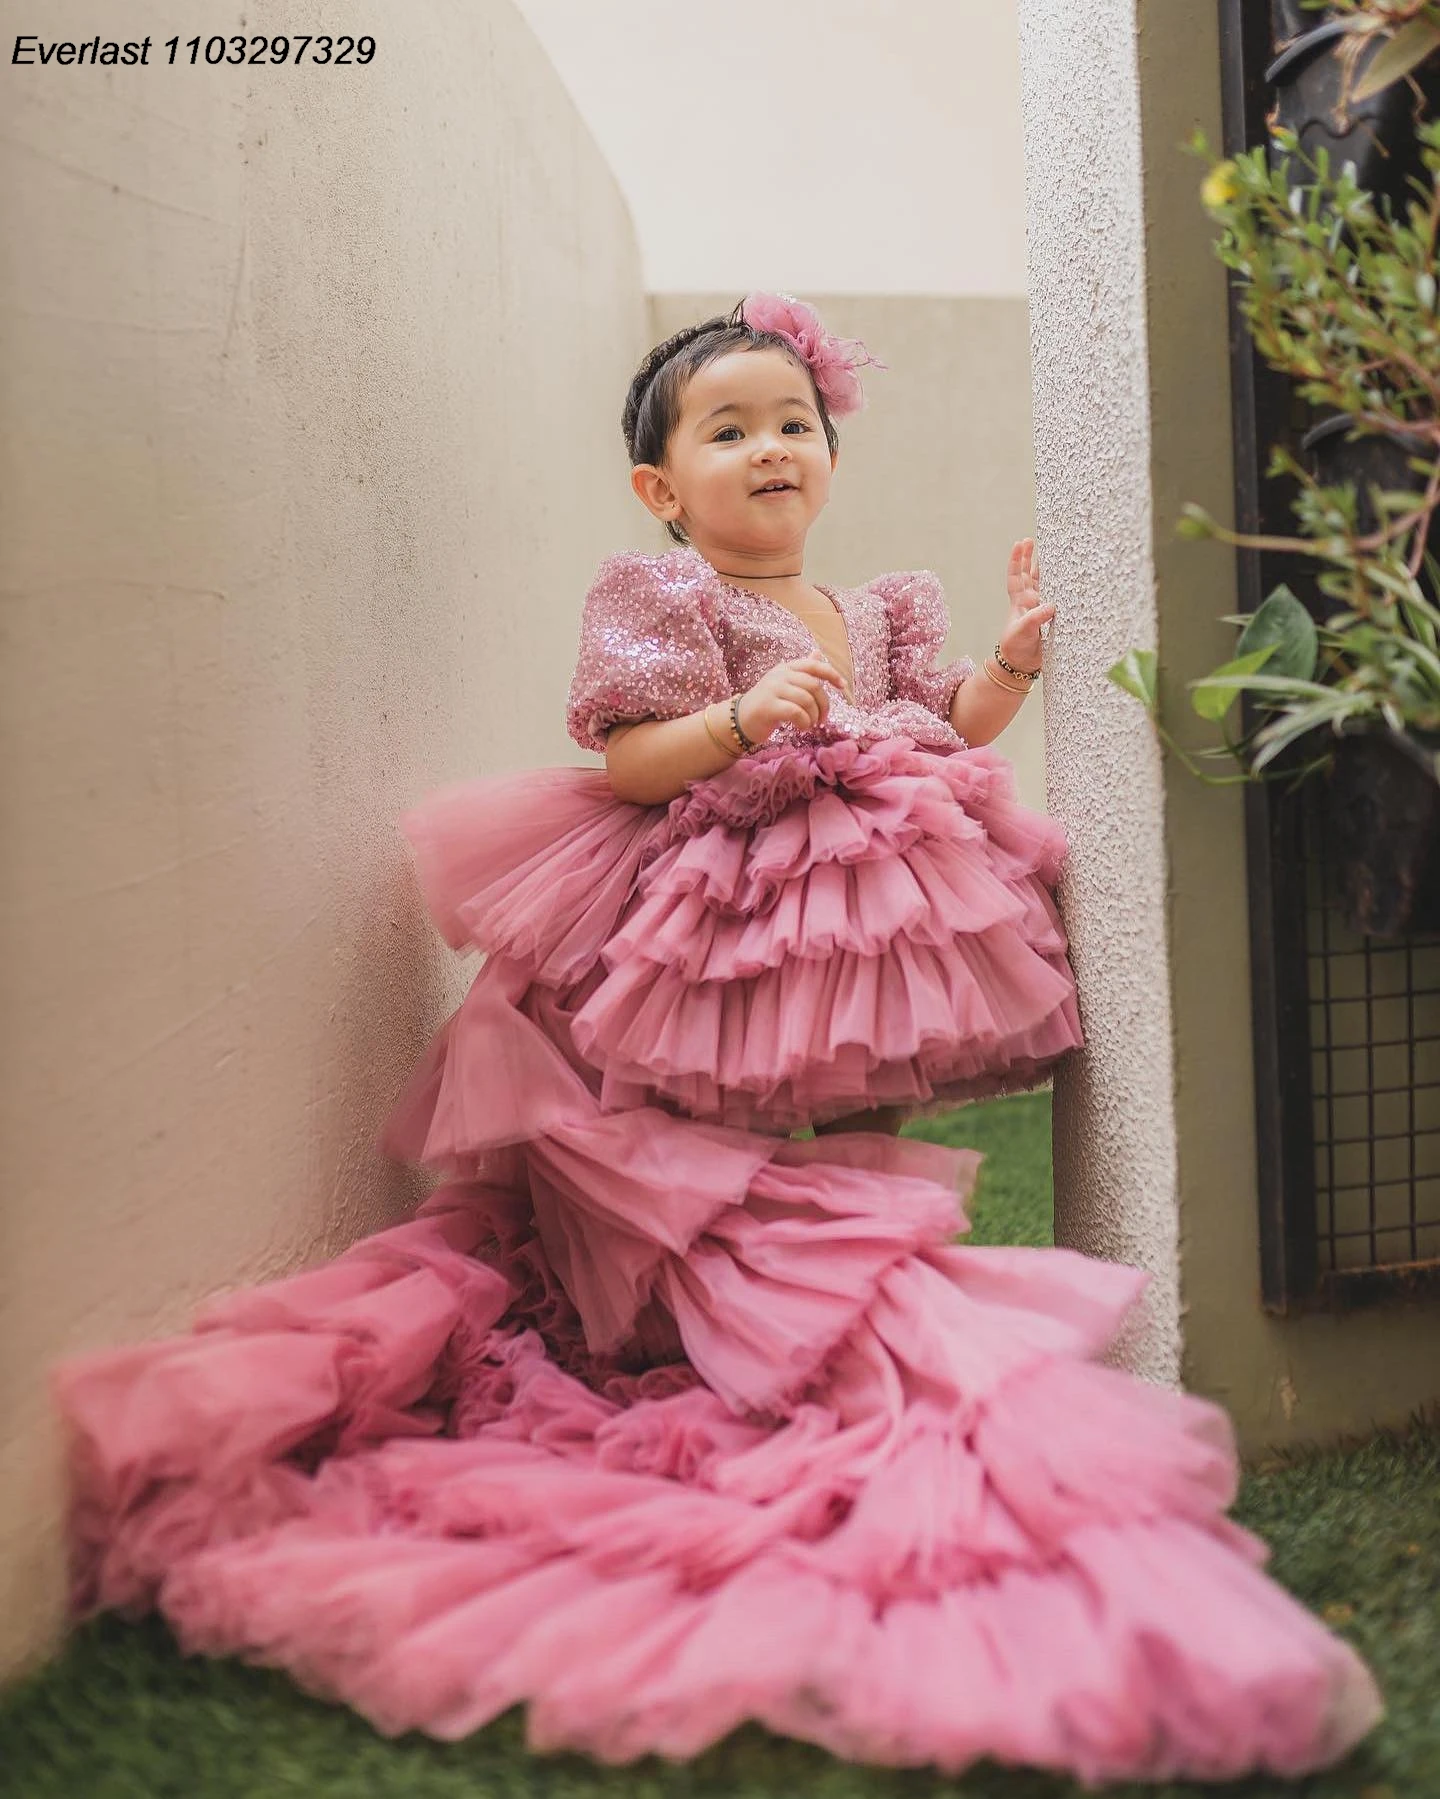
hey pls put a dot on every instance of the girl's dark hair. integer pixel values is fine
(652, 406)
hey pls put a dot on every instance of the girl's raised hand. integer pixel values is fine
(1020, 639)
(791, 693)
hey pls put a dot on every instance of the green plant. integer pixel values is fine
(1340, 294)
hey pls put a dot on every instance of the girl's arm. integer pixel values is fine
(651, 761)
(980, 710)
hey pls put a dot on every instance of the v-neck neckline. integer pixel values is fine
(770, 600)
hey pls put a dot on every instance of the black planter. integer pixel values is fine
(1383, 805)
(1378, 134)
(1381, 459)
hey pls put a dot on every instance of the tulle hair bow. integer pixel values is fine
(832, 360)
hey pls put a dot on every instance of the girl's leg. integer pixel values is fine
(877, 1118)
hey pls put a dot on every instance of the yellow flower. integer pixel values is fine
(1220, 185)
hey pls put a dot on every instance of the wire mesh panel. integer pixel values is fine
(1374, 1029)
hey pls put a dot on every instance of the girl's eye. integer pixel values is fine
(720, 434)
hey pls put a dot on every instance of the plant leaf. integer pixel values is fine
(1292, 725)
(1135, 673)
(1211, 701)
(1284, 624)
(1422, 626)
(1402, 585)
(1194, 521)
(1278, 684)
(1411, 44)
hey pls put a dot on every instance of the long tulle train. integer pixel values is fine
(657, 1426)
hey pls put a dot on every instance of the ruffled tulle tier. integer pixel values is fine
(810, 933)
(658, 1427)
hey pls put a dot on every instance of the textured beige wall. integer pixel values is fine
(311, 384)
(937, 471)
(1114, 1129)
(1154, 1121)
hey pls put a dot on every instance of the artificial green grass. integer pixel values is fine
(1013, 1201)
(120, 1714)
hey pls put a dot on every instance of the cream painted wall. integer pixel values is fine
(311, 381)
(819, 147)
(935, 472)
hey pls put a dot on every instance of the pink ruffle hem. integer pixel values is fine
(811, 933)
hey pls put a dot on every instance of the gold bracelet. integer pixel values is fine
(1024, 692)
(734, 755)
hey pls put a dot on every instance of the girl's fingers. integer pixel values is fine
(804, 683)
(820, 671)
(805, 699)
(818, 665)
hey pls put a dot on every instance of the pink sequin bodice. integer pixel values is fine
(664, 635)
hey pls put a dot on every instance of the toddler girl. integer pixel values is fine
(844, 917)
(656, 1417)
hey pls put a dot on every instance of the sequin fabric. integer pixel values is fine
(662, 636)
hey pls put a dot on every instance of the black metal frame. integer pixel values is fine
(1260, 400)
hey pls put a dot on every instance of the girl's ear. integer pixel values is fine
(654, 490)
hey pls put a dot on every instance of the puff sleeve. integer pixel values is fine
(919, 622)
(646, 650)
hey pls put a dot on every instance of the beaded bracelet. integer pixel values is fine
(720, 742)
(1021, 674)
(745, 744)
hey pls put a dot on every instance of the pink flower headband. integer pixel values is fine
(832, 360)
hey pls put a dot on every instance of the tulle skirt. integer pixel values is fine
(658, 1424)
(809, 934)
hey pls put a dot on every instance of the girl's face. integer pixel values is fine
(747, 420)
